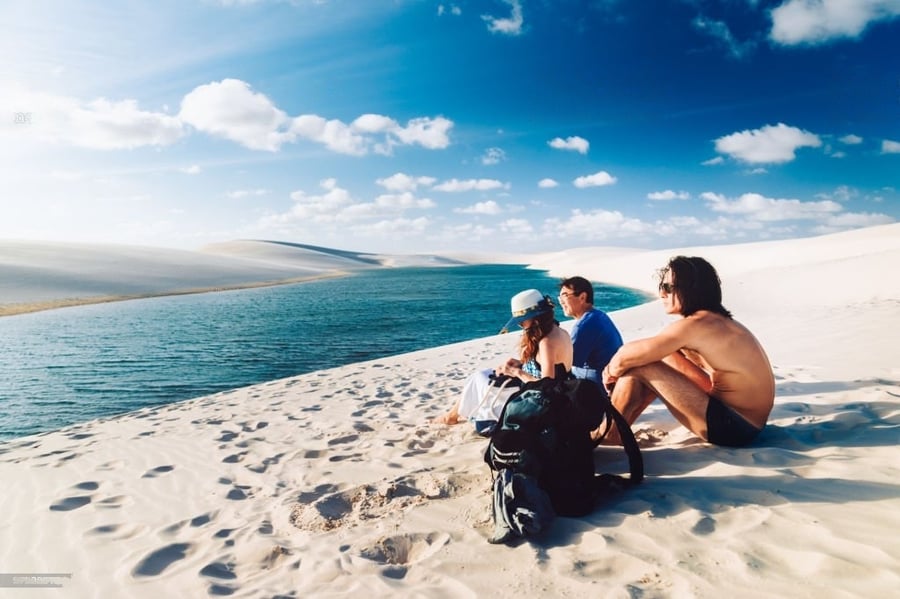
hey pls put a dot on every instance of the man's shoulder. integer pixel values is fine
(595, 314)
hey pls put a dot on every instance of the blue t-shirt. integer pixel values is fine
(595, 339)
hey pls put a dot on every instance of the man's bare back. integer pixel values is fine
(739, 371)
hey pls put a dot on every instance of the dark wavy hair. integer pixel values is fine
(540, 327)
(696, 283)
(579, 285)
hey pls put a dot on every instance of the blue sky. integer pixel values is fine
(424, 126)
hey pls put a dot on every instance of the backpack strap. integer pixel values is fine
(635, 460)
(607, 484)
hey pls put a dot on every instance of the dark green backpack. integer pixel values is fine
(542, 455)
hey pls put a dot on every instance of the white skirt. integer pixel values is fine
(480, 401)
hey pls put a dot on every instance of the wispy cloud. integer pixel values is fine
(759, 207)
(720, 31)
(890, 147)
(548, 183)
(511, 25)
(238, 194)
(493, 156)
(456, 185)
(489, 208)
(668, 195)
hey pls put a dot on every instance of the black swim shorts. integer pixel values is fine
(726, 427)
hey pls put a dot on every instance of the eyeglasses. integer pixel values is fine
(565, 294)
(668, 288)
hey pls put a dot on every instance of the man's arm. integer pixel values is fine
(651, 349)
(692, 371)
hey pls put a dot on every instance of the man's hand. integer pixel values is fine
(609, 381)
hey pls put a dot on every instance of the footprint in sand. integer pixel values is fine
(705, 526)
(344, 439)
(115, 501)
(109, 466)
(320, 512)
(154, 472)
(156, 562)
(68, 504)
(116, 532)
(397, 553)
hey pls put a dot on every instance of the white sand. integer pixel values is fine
(40, 276)
(332, 482)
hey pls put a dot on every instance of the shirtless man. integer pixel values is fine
(707, 368)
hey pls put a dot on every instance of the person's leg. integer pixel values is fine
(631, 398)
(684, 399)
(449, 417)
(467, 404)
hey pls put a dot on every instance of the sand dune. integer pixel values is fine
(39, 276)
(333, 482)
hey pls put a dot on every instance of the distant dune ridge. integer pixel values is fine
(38, 275)
(334, 483)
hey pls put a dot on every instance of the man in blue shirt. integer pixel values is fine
(594, 336)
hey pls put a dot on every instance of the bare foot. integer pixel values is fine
(449, 418)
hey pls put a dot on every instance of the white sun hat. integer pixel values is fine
(527, 304)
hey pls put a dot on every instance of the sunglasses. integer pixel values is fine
(667, 287)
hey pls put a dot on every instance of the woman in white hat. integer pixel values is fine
(543, 345)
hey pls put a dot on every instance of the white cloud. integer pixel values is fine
(455, 185)
(320, 208)
(575, 143)
(426, 132)
(335, 207)
(851, 140)
(668, 195)
(761, 208)
(548, 183)
(489, 208)
(232, 110)
(596, 224)
(598, 179)
(518, 227)
(493, 156)
(511, 25)
(333, 134)
(890, 147)
(853, 220)
(403, 201)
(771, 144)
(194, 169)
(404, 182)
(99, 124)
(818, 21)
(713, 161)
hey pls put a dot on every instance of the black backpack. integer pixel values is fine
(541, 453)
